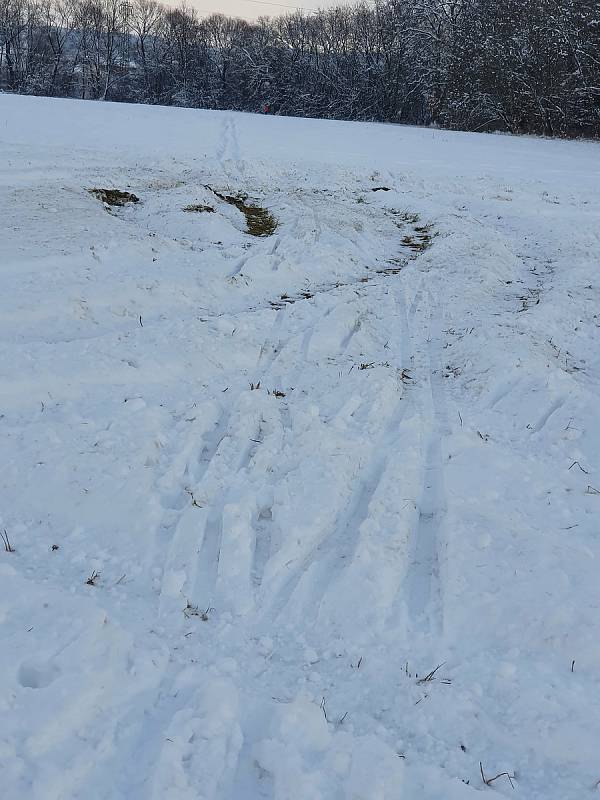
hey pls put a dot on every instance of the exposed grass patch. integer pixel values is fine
(198, 208)
(388, 270)
(259, 221)
(420, 240)
(114, 197)
(406, 216)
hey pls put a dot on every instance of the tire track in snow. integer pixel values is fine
(340, 549)
(313, 233)
(224, 145)
(424, 596)
(209, 555)
(231, 461)
(378, 518)
(195, 556)
(314, 580)
(235, 147)
(229, 155)
(344, 547)
(194, 553)
(263, 525)
(555, 406)
(186, 533)
(192, 563)
(236, 476)
(171, 491)
(271, 348)
(416, 299)
(503, 390)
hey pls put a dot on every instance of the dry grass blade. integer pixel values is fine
(431, 675)
(7, 545)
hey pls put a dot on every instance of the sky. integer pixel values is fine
(252, 9)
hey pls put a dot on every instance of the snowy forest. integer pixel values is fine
(523, 66)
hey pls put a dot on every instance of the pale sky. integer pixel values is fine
(252, 9)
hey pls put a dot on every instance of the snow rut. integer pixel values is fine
(424, 586)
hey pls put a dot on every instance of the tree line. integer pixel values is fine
(524, 66)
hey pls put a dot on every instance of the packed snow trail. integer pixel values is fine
(308, 515)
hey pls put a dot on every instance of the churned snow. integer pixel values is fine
(372, 576)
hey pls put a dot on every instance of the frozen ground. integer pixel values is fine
(281, 569)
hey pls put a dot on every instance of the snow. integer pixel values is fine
(280, 575)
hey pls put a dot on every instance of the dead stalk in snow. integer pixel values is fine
(430, 675)
(489, 781)
(194, 611)
(7, 545)
(577, 464)
(195, 503)
(91, 581)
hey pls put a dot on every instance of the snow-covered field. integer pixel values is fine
(370, 573)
